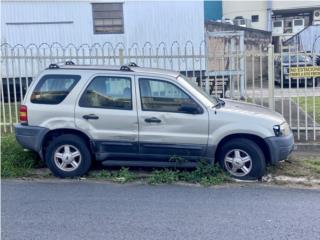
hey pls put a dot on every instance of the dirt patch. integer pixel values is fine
(300, 169)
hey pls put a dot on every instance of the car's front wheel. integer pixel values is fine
(68, 156)
(242, 158)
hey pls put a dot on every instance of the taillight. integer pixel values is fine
(23, 114)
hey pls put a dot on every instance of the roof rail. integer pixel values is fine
(69, 63)
(53, 66)
(132, 64)
(125, 68)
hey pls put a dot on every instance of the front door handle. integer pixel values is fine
(152, 120)
(90, 116)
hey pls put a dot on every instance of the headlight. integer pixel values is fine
(282, 129)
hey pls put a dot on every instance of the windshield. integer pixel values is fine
(294, 58)
(213, 100)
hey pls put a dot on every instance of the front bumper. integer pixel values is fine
(280, 147)
(30, 137)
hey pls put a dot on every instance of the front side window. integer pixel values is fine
(108, 92)
(162, 96)
(107, 18)
(53, 89)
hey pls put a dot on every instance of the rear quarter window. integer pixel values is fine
(53, 89)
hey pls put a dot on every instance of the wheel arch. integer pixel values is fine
(50, 135)
(258, 140)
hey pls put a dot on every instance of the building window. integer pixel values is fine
(255, 18)
(107, 18)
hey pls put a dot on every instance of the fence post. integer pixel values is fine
(121, 57)
(271, 76)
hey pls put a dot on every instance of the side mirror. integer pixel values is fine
(190, 108)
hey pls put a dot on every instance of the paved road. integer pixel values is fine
(88, 210)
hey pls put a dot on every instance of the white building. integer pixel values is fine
(99, 21)
(259, 14)
(255, 12)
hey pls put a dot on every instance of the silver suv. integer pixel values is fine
(133, 116)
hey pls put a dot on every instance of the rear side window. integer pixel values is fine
(53, 89)
(108, 92)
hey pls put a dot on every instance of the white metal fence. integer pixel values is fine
(230, 73)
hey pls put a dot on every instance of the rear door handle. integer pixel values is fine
(90, 116)
(152, 120)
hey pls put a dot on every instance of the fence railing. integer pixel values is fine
(261, 76)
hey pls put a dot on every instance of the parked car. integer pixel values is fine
(282, 67)
(134, 116)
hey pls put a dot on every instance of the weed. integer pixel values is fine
(163, 176)
(124, 175)
(15, 162)
(205, 174)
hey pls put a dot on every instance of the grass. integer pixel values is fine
(203, 174)
(308, 102)
(298, 166)
(15, 162)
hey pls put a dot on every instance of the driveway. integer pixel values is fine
(56, 209)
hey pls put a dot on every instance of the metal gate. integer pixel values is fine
(278, 80)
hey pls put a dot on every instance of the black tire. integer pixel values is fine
(79, 144)
(258, 163)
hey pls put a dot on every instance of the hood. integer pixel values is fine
(252, 111)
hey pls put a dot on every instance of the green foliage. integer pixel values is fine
(124, 175)
(19, 163)
(163, 176)
(205, 174)
(307, 103)
(15, 162)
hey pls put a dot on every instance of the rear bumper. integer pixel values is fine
(30, 137)
(280, 147)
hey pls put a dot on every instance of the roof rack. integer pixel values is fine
(69, 63)
(132, 64)
(127, 67)
(53, 66)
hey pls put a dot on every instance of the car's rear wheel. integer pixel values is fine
(242, 158)
(68, 156)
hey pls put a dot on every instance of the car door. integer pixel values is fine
(106, 111)
(166, 130)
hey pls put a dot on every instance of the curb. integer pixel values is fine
(307, 147)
